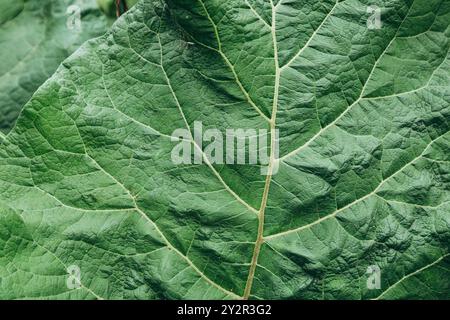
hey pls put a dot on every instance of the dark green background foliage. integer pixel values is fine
(34, 40)
(86, 176)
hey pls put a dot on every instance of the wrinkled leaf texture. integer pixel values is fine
(86, 177)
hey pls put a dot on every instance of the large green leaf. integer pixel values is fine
(364, 174)
(35, 37)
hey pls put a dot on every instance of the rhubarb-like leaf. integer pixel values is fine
(355, 206)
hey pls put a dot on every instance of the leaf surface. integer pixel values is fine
(86, 176)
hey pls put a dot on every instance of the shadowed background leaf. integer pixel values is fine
(35, 37)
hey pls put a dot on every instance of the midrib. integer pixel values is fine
(261, 214)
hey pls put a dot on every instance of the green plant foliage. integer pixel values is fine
(363, 179)
(35, 37)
